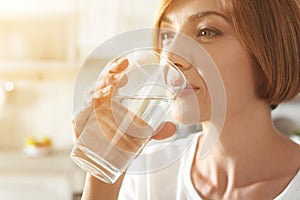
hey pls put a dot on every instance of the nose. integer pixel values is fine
(173, 76)
(175, 50)
(177, 60)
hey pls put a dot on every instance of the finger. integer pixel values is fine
(164, 131)
(81, 117)
(112, 81)
(104, 81)
(119, 66)
(114, 75)
(103, 95)
(74, 130)
(103, 92)
(121, 80)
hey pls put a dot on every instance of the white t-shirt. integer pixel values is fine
(174, 182)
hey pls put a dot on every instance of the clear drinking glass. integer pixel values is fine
(118, 129)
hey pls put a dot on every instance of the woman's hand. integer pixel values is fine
(100, 102)
(99, 95)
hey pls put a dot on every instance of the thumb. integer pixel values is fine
(164, 131)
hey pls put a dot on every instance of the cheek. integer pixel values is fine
(237, 70)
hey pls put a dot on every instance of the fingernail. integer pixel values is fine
(118, 76)
(97, 94)
(119, 60)
(106, 89)
(100, 83)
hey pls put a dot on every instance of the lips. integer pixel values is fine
(189, 89)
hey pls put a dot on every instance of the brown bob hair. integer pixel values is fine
(269, 30)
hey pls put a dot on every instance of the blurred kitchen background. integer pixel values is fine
(42, 45)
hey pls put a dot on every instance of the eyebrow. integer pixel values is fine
(198, 15)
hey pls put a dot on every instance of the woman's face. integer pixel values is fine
(204, 21)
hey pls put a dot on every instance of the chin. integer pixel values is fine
(185, 113)
(189, 109)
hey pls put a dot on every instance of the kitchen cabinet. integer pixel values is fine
(52, 176)
(37, 34)
(101, 20)
(45, 34)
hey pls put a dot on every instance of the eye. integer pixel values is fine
(208, 33)
(166, 37)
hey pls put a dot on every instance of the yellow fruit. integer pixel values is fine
(30, 141)
(45, 141)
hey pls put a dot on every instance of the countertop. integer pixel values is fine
(16, 163)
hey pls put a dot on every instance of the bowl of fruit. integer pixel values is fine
(37, 147)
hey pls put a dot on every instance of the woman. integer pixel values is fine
(255, 45)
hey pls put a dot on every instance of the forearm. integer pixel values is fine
(94, 189)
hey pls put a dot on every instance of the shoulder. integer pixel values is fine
(292, 191)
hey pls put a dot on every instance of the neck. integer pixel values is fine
(247, 139)
(244, 130)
